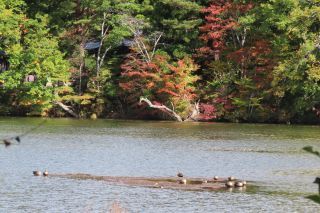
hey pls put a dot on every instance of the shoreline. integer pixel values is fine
(128, 119)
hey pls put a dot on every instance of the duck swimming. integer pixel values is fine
(231, 178)
(239, 184)
(45, 173)
(229, 184)
(180, 174)
(36, 173)
(183, 181)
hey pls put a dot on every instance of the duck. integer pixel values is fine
(229, 184)
(183, 181)
(18, 139)
(215, 178)
(6, 142)
(45, 173)
(36, 173)
(231, 178)
(239, 184)
(180, 174)
(156, 185)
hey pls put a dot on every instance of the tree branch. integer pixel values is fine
(155, 45)
(104, 31)
(103, 56)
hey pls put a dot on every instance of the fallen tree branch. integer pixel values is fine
(163, 108)
(67, 109)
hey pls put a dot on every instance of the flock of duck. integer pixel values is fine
(231, 181)
(39, 173)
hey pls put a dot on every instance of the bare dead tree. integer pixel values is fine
(136, 28)
(241, 37)
(102, 54)
(82, 64)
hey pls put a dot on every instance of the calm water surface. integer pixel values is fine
(270, 155)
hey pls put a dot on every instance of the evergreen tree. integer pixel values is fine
(178, 20)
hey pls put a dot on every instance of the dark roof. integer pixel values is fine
(91, 45)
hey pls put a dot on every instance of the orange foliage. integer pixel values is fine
(216, 26)
(164, 81)
(257, 57)
(221, 17)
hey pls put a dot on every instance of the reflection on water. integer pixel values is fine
(268, 154)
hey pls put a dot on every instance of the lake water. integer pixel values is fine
(269, 155)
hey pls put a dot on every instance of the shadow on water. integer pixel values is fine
(315, 198)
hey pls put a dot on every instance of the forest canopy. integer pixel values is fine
(184, 60)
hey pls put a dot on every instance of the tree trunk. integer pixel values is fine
(67, 109)
(163, 108)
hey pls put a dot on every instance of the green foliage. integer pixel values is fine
(277, 62)
(177, 19)
(252, 61)
(32, 51)
(295, 81)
